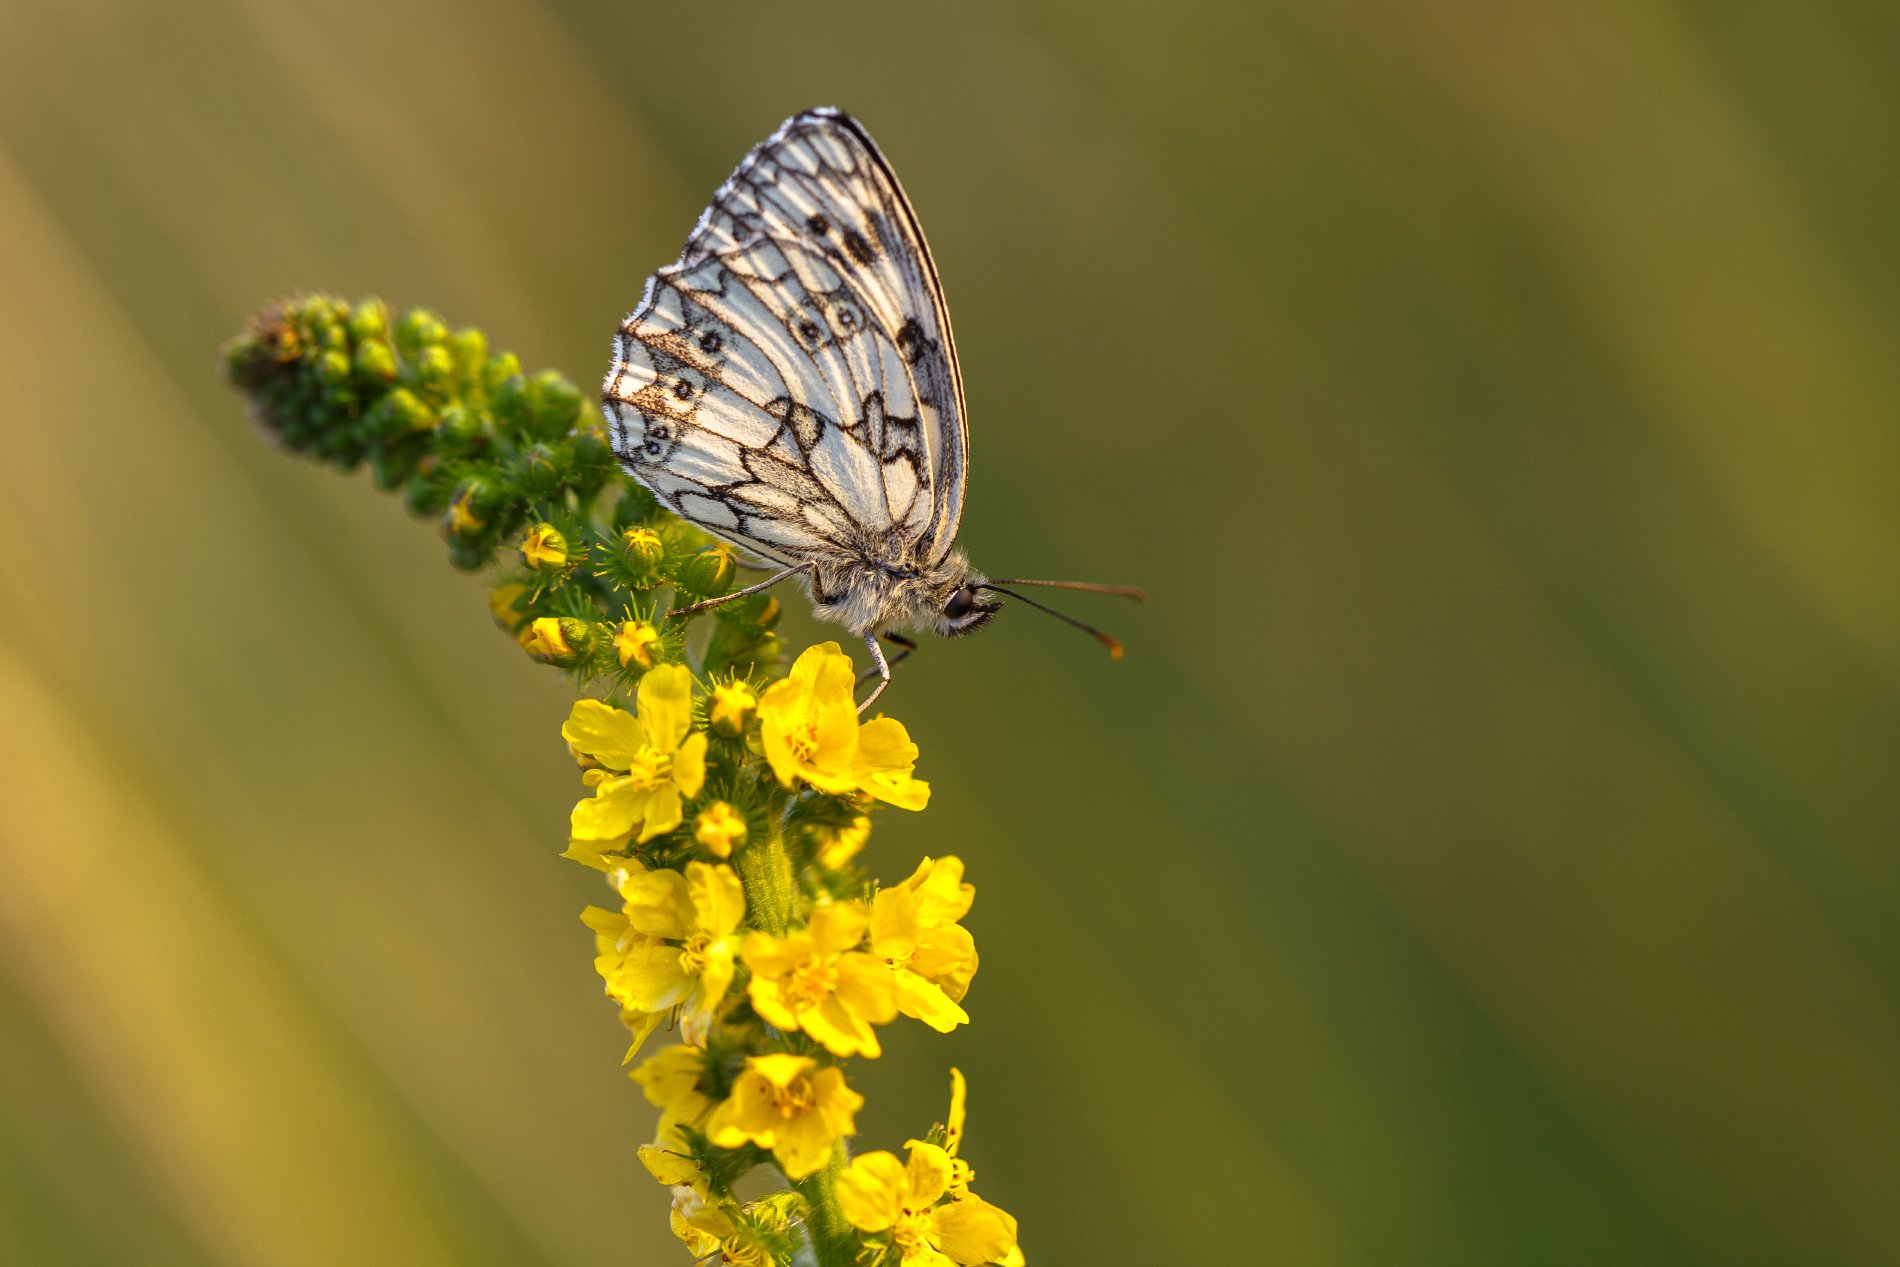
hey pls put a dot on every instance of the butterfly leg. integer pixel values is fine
(883, 669)
(904, 644)
(766, 584)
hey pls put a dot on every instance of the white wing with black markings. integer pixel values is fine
(791, 385)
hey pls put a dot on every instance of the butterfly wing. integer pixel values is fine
(791, 384)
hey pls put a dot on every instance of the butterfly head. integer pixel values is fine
(955, 601)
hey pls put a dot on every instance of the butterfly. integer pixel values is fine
(790, 386)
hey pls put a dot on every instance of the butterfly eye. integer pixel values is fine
(960, 605)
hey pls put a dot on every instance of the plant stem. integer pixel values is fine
(833, 1241)
(770, 891)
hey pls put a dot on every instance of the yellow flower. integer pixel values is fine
(839, 845)
(638, 642)
(695, 917)
(624, 958)
(733, 707)
(816, 980)
(789, 1105)
(808, 724)
(671, 1080)
(544, 548)
(719, 829)
(650, 762)
(914, 929)
(878, 1194)
(699, 1222)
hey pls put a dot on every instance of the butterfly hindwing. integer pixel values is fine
(790, 384)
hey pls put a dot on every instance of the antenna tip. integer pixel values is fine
(1114, 647)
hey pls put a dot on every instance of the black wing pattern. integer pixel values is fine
(790, 384)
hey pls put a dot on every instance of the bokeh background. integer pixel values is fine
(1488, 853)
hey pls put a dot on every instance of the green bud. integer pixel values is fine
(333, 368)
(469, 347)
(419, 329)
(375, 361)
(369, 321)
(643, 554)
(500, 368)
(460, 427)
(427, 493)
(709, 572)
(470, 556)
(543, 468)
(435, 368)
(592, 450)
(553, 404)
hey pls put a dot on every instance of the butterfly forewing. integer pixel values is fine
(790, 384)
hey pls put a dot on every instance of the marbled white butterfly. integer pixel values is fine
(791, 387)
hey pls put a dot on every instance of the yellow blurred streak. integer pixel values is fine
(160, 990)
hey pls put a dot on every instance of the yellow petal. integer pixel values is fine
(838, 926)
(871, 1191)
(617, 804)
(609, 735)
(896, 787)
(883, 745)
(665, 701)
(928, 1003)
(718, 898)
(689, 765)
(973, 1231)
(667, 1166)
(662, 812)
(671, 1075)
(894, 924)
(959, 1101)
(769, 1002)
(659, 903)
(779, 1067)
(928, 1174)
(803, 1146)
(866, 986)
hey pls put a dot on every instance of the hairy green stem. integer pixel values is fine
(770, 891)
(833, 1241)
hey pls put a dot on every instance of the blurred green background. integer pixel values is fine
(1488, 853)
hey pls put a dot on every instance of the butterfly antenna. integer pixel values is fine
(1114, 647)
(1135, 592)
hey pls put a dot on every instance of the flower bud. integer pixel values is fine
(591, 447)
(557, 640)
(544, 548)
(333, 368)
(732, 709)
(419, 329)
(719, 829)
(459, 425)
(709, 572)
(469, 348)
(542, 468)
(500, 368)
(638, 642)
(435, 368)
(375, 362)
(369, 320)
(642, 551)
(504, 604)
(554, 405)
(469, 510)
